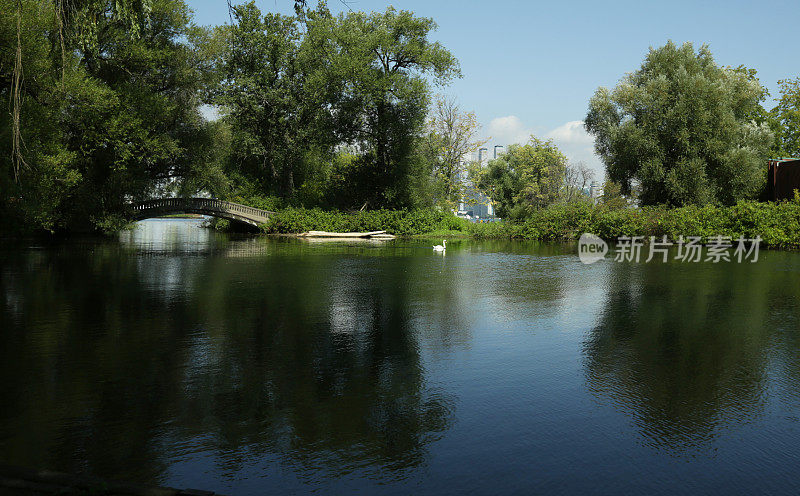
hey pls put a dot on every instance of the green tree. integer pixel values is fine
(297, 89)
(452, 137)
(612, 196)
(149, 130)
(785, 119)
(525, 178)
(379, 64)
(267, 93)
(68, 21)
(119, 119)
(689, 131)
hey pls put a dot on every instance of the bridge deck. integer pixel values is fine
(205, 206)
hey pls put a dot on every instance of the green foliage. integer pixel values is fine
(402, 222)
(271, 203)
(381, 63)
(331, 114)
(689, 131)
(206, 172)
(612, 196)
(316, 109)
(452, 135)
(388, 58)
(778, 224)
(113, 117)
(329, 111)
(785, 120)
(222, 225)
(271, 103)
(525, 178)
(502, 184)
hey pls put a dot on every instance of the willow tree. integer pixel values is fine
(102, 122)
(686, 129)
(381, 63)
(272, 90)
(71, 20)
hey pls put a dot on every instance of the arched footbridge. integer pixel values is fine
(204, 206)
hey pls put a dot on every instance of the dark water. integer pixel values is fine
(182, 357)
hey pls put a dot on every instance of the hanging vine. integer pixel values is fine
(66, 13)
(17, 159)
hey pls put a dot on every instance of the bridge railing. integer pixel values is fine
(210, 204)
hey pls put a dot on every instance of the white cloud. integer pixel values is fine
(508, 130)
(578, 145)
(572, 132)
(570, 137)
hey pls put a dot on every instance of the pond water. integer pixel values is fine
(180, 356)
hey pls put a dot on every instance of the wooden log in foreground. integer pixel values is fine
(326, 234)
(373, 240)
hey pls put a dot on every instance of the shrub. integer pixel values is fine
(402, 222)
(778, 224)
(271, 203)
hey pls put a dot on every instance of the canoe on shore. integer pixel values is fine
(351, 235)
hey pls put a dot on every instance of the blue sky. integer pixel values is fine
(531, 67)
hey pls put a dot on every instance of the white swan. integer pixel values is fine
(441, 247)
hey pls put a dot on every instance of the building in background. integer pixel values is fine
(783, 178)
(595, 191)
(476, 205)
(483, 157)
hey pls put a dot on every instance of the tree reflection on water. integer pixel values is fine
(117, 363)
(685, 350)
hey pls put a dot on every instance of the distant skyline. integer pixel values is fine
(531, 67)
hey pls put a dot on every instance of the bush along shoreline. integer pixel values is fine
(398, 222)
(778, 224)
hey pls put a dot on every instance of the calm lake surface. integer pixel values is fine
(247, 366)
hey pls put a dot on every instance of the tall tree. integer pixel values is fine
(525, 178)
(384, 60)
(688, 130)
(121, 117)
(72, 21)
(266, 91)
(453, 137)
(785, 119)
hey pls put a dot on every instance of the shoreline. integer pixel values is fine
(55, 239)
(777, 224)
(31, 482)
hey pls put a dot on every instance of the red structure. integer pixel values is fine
(783, 178)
